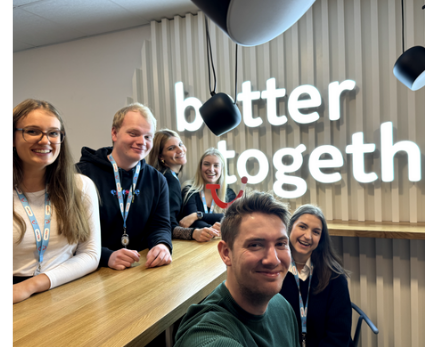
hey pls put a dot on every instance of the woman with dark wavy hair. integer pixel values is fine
(56, 228)
(316, 283)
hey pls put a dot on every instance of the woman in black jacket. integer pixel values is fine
(199, 209)
(317, 276)
(168, 155)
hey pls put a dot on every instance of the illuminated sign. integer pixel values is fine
(310, 99)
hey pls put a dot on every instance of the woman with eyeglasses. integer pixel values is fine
(56, 228)
(199, 209)
(316, 283)
(168, 156)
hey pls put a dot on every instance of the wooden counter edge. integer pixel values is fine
(413, 231)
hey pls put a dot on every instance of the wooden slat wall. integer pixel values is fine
(388, 282)
(335, 40)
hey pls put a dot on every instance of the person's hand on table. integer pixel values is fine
(158, 255)
(25, 289)
(217, 226)
(123, 258)
(187, 221)
(205, 234)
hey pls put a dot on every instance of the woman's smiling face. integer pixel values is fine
(38, 154)
(174, 153)
(211, 169)
(305, 236)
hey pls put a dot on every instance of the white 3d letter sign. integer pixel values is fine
(282, 169)
(181, 105)
(287, 184)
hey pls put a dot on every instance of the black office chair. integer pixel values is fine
(362, 316)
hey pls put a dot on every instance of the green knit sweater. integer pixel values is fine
(220, 321)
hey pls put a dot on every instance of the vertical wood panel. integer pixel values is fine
(393, 49)
(176, 52)
(167, 75)
(310, 67)
(411, 106)
(359, 100)
(156, 66)
(341, 72)
(387, 278)
(376, 109)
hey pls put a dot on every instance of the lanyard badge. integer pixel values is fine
(303, 310)
(204, 202)
(125, 239)
(41, 237)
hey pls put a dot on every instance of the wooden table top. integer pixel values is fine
(415, 231)
(120, 308)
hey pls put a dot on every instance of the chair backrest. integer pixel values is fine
(362, 317)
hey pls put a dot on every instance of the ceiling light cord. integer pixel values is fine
(402, 24)
(236, 73)
(209, 53)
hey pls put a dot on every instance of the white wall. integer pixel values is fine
(88, 80)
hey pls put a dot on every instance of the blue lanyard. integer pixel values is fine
(120, 194)
(303, 311)
(174, 174)
(205, 203)
(41, 238)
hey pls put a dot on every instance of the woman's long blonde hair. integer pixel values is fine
(197, 183)
(65, 196)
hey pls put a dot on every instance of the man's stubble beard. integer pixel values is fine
(257, 298)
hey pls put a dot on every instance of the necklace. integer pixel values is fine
(300, 263)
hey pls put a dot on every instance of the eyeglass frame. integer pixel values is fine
(43, 133)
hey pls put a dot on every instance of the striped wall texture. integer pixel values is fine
(387, 282)
(334, 41)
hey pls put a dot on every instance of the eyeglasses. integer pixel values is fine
(34, 135)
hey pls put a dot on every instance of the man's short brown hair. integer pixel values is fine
(253, 202)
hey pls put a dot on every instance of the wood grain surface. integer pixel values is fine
(120, 308)
(415, 231)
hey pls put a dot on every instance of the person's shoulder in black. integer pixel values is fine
(329, 315)
(175, 197)
(148, 222)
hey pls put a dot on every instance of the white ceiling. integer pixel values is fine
(45, 22)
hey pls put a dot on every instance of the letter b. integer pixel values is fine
(181, 105)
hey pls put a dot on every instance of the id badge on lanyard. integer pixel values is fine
(41, 237)
(125, 239)
(303, 310)
(204, 202)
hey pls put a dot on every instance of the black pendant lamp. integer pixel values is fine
(254, 22)
(220, 113)
(409, 68)
(247, 23)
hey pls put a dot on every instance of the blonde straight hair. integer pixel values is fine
(197, 183)
(65, 196)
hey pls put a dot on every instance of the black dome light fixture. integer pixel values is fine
(409, 68)
(254, 22)
(220, 113)
(247, 23)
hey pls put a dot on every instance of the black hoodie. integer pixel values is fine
(148, 221)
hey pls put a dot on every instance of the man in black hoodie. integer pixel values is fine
(134, 210)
